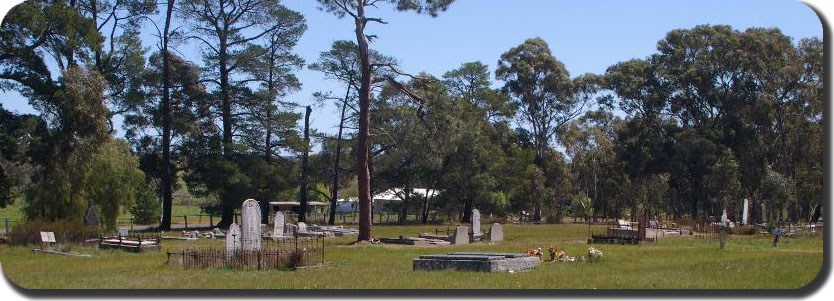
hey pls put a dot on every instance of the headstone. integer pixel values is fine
(744, 212)
(250, 225)
(123, 232)
(461, 236)
(278, 228)
(91, 218)
(291, 230)
(233, 239)
(476, 223)
(263, 229)
(496, 232)
(724, 218)
(217, 231)
(302, 227)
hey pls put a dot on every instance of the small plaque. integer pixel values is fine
(47, 236)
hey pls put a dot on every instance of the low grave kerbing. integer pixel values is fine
(475, 261)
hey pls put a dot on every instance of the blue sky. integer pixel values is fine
(588, 36)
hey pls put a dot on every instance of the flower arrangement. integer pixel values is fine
(594, 255)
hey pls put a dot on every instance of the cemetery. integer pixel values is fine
(412, 144)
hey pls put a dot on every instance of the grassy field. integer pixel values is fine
(747, 262)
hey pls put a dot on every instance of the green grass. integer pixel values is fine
(12, 212)
(747, 262)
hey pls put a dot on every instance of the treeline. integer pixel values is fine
(715, 116)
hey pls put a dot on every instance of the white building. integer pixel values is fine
(350, 205)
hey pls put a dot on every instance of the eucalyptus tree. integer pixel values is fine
(357, 11)
(543, 92)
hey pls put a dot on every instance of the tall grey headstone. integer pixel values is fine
(250, 225)
(764, 214)
(233, 238)
(278, 228)
(724, 220)
(461, 236)
(476, 223)
(496, 232)
(744, 212)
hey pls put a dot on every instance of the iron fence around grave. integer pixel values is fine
(288, 253)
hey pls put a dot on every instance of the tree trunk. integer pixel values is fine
(334, 195)
(362, 164)
(467, 212)
(167, 177)
(226, 115)
(302, 210)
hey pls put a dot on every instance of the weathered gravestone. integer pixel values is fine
(302, 227)
(476, 223)
(291, 230)
(278, 228)
(496, 232)
(123, 232)
(250, 225)
(233, 239)
(461, 236)
(90, 218)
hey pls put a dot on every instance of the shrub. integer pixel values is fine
(296, 259)
(66, 232)
(554, 216)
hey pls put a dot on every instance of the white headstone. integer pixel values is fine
(250, 225)
(744, 212)
(302, 227)
(724, 218)
(233, 239)
(476, 222)
(278, 228)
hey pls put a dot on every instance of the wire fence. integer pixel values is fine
(288, 253)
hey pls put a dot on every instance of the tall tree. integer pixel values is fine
(227, 29)
(357, 10)
(545, 95)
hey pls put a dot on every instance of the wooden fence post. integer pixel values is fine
(185, 217)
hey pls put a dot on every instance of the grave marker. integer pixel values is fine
(91, 218)
(744, 212)
(123, 232)
(48, 237)
(233, 239)
(250, 227)
(476, 223)
(461, 236)
(496, 232)
(278, 228)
